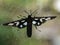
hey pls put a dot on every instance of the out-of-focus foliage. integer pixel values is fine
(9, 10)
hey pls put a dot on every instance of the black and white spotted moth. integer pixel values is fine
(27, 22)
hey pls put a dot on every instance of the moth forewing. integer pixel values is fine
(40, 20)
(18, 23)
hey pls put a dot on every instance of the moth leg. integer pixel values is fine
(24, 16)
(21, 16)
(37, 29)
(26, 12)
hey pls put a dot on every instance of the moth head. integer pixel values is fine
(29, 15)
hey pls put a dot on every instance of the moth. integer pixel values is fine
(28, 22)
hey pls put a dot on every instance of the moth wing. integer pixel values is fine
(19, 23)
(40, 20)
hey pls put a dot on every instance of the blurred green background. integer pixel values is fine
(9, 10)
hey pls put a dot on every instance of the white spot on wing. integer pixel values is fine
(34, 22)
(22, 20)
(36, 19)
(38, 23)
(17, 23)
(48, 18)
(11, 24)
(21, 26)
(42, 19)
(25, 23)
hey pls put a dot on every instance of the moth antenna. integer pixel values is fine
(34, 11)
(26, 12)
(35, 14)
(30, 12)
